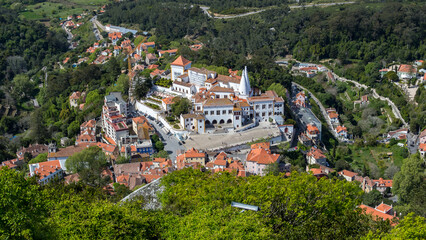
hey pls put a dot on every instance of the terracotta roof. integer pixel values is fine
(227, 79)
(211, 80)
(88, 124)
(348, 173)
(220, 162)
(168, 100)
(341, 128)
(405, 68)
(316, 171)
(168, 51)
(301, 94)
(221, 89)
(384, 208)
(181, 61)
(182, 83)
(316, 153)
(140, 120)
(153, 66)
(218, 102)
(312, 128)
(375, 213)
(106, 147)
(75, 95)
(333, 115)
(193, 153)
(262, 156)
(263, 145)
(383, 183)
(69, 151)
(148, 43)
(423, 133)
(422, 147)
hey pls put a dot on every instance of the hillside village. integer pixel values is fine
(194, 117)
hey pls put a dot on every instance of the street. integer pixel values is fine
(98, 35)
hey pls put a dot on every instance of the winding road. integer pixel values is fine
(206, 10)
(323, 111)
(395, 110)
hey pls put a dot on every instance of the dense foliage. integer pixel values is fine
(26, 44)
(196, 205)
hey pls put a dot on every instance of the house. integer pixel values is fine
(333, 116)
(131, 181)
(47, 171)
(142, 128)
(348, 175)
(114, 37)
(305, 140)
(33, 149)
(342, 131)
(179, 66)
(75, 97)
(156, 72)
(193, 122)
(312, 132)
(196, 47)
(12, 164)
(330, 77)
(418, 62)
(190, 157)
(406, 71)
(171, 52)
(167, 103)
(382, 212)
(87, 133)
(422, 149)
(399, 134)
(422, 136)
(316, 156)
(300, 100)
(259, 157)
(150, 58)
(363, 101)
(64, 153)
(382, 185)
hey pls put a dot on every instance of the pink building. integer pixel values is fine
(259, 157)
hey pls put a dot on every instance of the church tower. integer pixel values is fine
(244, 89)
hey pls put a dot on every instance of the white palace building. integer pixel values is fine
(220, 99)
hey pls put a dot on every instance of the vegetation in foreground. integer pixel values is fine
(196, 205)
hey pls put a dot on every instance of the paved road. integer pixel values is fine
(69, 35)
(412, 143)
(171, 144)
(95, 22)
(323, 111)
(205, 9)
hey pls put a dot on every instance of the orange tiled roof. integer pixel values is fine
(194, 153)
(168, 100)
(262, 156)
(181, 61)
(375, 213)
(312, 128)
(316, 153)
(341, 128)
(220, 162)
(348, 173)
(384, 208)
(333, 115)
(422, 147)
(263, 145)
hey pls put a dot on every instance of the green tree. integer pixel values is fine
(73, 129)
(159, 146)
(89, 164)
(38, 129)
(22, 206)
(180, 106)
(42, 157)
(141, 88)
(373, 198)
(161, 154)
(273, 168)
(409, 179)
(22, 88)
